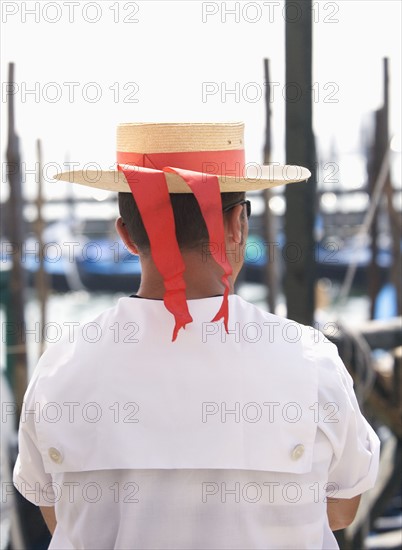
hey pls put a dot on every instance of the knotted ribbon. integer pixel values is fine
(205, 188)
(150, 191)
(230, 162)
(151, 194)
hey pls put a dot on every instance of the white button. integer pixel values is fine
(55, 455)
(298, 452)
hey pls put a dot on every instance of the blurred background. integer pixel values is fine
(316, 83)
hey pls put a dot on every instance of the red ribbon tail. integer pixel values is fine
(223, 311)
(150, 191)
(180, 323)
(175, 302)
(182, 318)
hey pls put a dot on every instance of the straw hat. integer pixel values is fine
(207, 148)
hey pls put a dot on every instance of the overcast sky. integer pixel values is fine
(94, 64)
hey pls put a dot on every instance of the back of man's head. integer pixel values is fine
(191, 231)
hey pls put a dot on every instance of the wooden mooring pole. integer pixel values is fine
(269, 230)
(394, 217)
(300, 150)
(41, 276)
(16, 347)
(379, 150)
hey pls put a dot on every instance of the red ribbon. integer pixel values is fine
(151, 194)
(205, 188)
(230, 163)
(150, 191)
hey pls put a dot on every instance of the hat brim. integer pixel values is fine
(262, 177)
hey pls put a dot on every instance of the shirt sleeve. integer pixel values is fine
(356, 446)
(29, 476)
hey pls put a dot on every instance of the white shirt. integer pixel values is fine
(220, 441)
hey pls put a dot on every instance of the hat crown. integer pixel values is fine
(179, 137)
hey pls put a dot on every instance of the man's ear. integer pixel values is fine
(121, 229)
(234, 224)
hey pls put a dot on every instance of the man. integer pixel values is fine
(189, 418)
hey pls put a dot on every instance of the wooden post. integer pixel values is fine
(381, 144)
(41, 277)
(373, 281)
(268, 227)
(16, 352)
(300, 150)
(394, 217)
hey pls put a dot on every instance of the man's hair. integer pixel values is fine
(191, 231)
